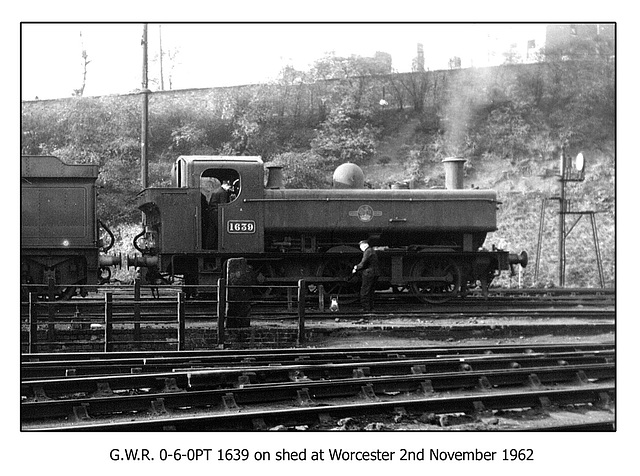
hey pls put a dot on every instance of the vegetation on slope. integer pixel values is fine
(509, 123)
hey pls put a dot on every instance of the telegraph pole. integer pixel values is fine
(144, 167)
(161, 55)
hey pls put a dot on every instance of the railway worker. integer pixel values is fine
(218, 194)
(226, 186)
(370, 273)
(215, 194)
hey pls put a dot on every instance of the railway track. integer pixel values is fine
(497, 298)
(532, 303)
(591, 305)
(315, 388)
(58, 365)
(155, 324)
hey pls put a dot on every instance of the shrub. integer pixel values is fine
(304, 169)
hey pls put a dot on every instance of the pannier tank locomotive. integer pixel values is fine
(429, 241)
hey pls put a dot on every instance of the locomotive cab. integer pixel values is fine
(230, 220)
(213, 210)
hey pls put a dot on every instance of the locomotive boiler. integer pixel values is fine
(60, 247)
(430, 242)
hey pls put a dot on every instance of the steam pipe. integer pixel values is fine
(106, 228)
(136, 238)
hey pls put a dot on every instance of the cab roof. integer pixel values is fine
(220, 158)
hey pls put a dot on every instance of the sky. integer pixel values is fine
(230, 54)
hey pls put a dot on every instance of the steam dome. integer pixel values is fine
(348, 176)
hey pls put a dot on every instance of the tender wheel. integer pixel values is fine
(438, 279)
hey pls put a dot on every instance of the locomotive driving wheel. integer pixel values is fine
(437, 279)
(344, 285)
(263, 271)
(66, 293)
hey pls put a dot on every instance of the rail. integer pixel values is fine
(243, 390)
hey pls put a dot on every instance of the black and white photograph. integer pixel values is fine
(318, 245)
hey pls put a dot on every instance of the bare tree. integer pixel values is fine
(85, 62)
(167, 59)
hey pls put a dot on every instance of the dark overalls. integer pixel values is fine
(370, 273)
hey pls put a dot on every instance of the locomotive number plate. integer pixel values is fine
(241, 226)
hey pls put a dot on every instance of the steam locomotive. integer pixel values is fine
(60, 247)
(429, 242)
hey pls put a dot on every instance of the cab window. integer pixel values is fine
(218, 187)
(228, 180)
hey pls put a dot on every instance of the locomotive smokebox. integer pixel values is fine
(453, 172)
(348, 176)
(275, 180)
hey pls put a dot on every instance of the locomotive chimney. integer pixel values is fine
(453, 173)
(275, 179)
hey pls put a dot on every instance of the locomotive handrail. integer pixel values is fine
(370, 199)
